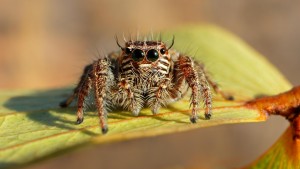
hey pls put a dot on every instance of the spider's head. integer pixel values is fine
(146, 54)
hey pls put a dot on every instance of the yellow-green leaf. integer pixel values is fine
(285, 153)
(33, 126)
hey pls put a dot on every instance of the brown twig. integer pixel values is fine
(286, 104)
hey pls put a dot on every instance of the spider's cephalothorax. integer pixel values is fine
(144, 73)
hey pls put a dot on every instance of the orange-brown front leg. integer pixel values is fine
(198, 83)
(101, 72)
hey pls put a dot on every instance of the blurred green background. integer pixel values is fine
(46, 43)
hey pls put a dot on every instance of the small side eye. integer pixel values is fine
(138, 55)
(163, 51)
(152, 55)
(127, 51)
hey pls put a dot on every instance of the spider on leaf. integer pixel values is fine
(143, 73)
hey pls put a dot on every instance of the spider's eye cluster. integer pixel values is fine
(138, 55)
(152, 55)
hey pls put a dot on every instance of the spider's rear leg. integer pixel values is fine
(83, 92)
(216, 88)
(68, 101)
(79, 87)
(201, 69)
(206, 94)
(198, 83)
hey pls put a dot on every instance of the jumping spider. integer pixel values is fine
(143, 73)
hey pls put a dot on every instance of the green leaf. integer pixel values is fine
(33, 126)
(285, 153)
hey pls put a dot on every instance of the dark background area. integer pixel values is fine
(45, 44)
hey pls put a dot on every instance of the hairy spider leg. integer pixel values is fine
(83, 92)
(100, 81)
(79, 87)
(198, 83)
(201, 69)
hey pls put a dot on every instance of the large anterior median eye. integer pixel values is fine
(152, 55)
(138, 55)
